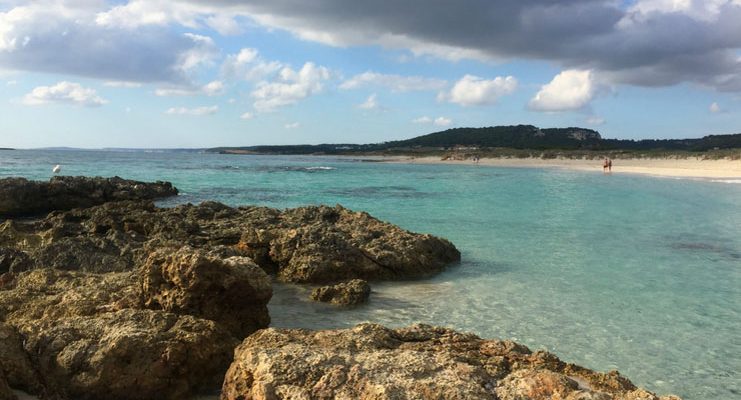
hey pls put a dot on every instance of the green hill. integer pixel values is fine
(520, 137)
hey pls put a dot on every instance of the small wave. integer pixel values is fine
(319, 168)
(736, 181)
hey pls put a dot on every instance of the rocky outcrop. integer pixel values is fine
(316, 244)
(19, 196)
(232, 291)
(419, 362)
(5, 392)
(154, 332)
(348, 293)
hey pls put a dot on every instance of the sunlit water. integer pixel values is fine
(624, 272)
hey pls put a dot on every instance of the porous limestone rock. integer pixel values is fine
(315, 244)
(89, 336)
(232, 291)
(418, 362)
(19, 196)
(352, 292)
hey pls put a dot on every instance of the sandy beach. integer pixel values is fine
(724, 169)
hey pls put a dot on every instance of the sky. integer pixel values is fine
(190, 73)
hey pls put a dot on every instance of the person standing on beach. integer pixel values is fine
(609, 165)
(604, 165)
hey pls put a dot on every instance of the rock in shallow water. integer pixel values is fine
(352, 292)
(315, 244)
(19, 196)
(419, 362)
(232, 291)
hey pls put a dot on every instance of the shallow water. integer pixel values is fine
(624, 272)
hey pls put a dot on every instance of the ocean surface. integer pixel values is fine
(626, 272)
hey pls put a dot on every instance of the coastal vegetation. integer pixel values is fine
(519, 141)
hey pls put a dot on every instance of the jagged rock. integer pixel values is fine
(316, 244)
(418, 362)
(352, 292)
(16, 369)
(232, 291)
(12, 260)
(19, 196)
(5, 392)
(89, 336)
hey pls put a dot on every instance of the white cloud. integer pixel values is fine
(122, 84)
(203, 52)
(370, 104)
(213, 88)
(715, 108)
(292, 125)
(595, 120)
(248, 65)
(569, 90)
(442, 121)
(475, 91)
(11, 83)
(290, 87)
(62, 37)
(64, 93)
(224, 24)
(439, 121)
(396, 83)
(198, 111)
(247, 115)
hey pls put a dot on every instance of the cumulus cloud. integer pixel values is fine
(646, 42)
(249, 66)
(442, 121)
(64, 93)
(63, 37)
(475, 91)
(714, 108)
(439, 121)
(292, 125)
(213, 88)
(247, 115)
(289, 87)
(396, 83)
(569, 90)
(371, 103)
(197, 111)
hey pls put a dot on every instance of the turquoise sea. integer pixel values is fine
(626, 272)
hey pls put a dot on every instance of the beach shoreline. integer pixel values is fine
(693, 167)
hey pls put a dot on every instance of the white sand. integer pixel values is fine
(690, 167)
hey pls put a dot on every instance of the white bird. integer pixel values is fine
(56, 169)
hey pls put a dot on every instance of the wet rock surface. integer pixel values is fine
(418, 362)
(348, 293)
(316, 244)
(19, 196)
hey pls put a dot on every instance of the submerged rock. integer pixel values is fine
(418, 362)
(352, 292)
(19, 196)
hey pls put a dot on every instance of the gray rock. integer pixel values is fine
(352, 292)
(19, 196)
